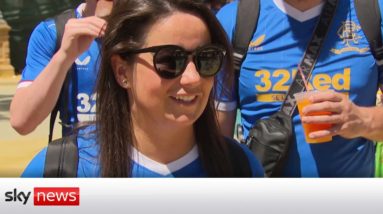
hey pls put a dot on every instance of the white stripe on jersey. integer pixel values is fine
(165, 169)
(225, 106)
(80, 9)
(24, 84)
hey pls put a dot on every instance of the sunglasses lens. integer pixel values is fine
(170, 62)
(209, 60)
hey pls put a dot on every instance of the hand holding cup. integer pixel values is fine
(304, 99)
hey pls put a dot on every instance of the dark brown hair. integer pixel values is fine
(128, 24)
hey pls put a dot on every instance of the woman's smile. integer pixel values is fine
(185, 99)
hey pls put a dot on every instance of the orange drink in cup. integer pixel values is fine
(302, 100)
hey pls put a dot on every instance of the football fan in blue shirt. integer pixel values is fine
(155, 103)
(46, 69)
(345, 73)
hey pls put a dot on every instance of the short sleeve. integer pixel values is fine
(41, 48)
(226, 98)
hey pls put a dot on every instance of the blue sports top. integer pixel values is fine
(344, 65)
(41, 48)
(89, 166)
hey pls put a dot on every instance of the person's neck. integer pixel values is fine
(303, 5)
(99, 8)
(89, 9)
(163, 144)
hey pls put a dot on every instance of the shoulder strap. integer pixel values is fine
(238, 159)
(369, 16)
(61, 159)
(60, 21)
(310, 56)
(246, 24)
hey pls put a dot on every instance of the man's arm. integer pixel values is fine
(373, 118)
(32, 104)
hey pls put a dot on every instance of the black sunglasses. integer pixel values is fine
(170, 61)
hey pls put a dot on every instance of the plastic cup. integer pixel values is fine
(302, 100)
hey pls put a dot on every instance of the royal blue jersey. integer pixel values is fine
(345, 65)
(41, 48)
(188, 165)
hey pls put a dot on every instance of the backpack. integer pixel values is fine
(60, 21)
(367, 11)
(62, 154)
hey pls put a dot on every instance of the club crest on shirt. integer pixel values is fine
(256, 44)
(348, 33)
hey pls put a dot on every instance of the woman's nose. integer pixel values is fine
(190, 76)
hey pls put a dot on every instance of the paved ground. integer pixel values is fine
(16, 150)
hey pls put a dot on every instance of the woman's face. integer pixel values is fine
(169, 102)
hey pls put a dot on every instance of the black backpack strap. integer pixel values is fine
(238, 159)
(61, 159)
(60, 21)
(369, 16)
(246, 24)
(310, 56)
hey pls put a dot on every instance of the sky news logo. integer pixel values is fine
(46, 196)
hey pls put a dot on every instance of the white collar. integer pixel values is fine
(301, 16)
(80, 10)
(165, 169)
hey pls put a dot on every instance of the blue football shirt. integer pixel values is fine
(188, 165)
(344, 65)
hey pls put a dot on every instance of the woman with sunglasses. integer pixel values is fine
(155, 112)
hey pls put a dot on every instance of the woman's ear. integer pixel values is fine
(120, 70)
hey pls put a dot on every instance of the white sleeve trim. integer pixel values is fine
(24, 84)
(225, 106)
(80, 9)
